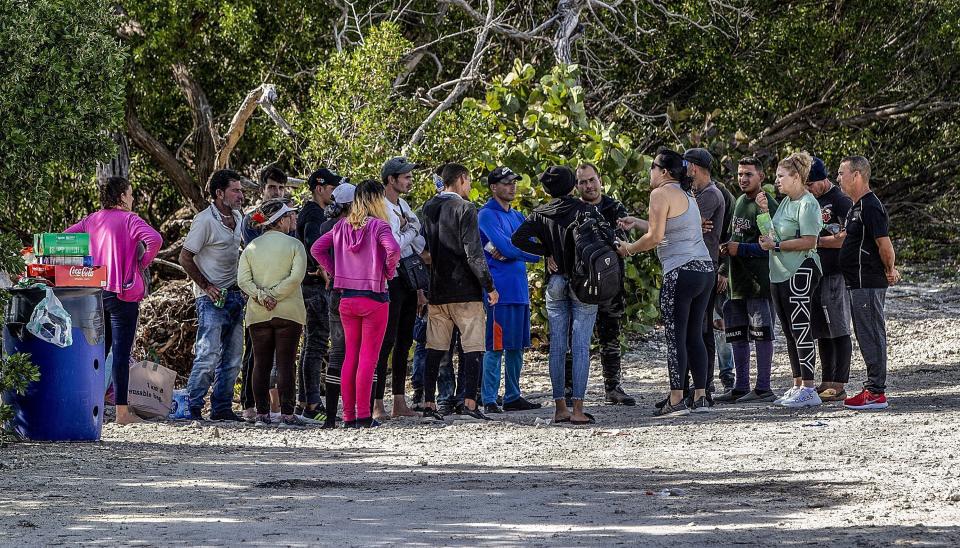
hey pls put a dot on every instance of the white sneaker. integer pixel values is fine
(787, 395)
(806, 397)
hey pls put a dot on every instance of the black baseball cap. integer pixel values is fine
(502, 174)
(818, 171)
(324, 176)
(700, 157)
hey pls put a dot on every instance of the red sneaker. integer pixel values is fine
(866, 400)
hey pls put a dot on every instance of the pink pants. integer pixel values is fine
(364, 323)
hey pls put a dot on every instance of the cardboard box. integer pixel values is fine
(70, 276)
(49, 243)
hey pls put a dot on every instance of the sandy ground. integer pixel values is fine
(741, 475)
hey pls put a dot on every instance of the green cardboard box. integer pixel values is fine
(50, 243)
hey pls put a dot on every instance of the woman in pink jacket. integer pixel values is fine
(365, 257)
(125, 245)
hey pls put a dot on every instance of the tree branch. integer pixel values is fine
(163, 158)
(206, 136)
(237, 126)
(468, 75)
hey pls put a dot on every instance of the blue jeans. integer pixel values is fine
(217, 352)
(564, 309)
(512, 362)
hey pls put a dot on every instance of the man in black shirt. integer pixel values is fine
(609, 313)
(830, 316)
(459, 275)
(868, 263)
(316, 335)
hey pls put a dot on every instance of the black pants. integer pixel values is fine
(792, 300)
(835, 355)
(683, 305)
(275, 341)
(316, 340)
(120, 320)
(468, 376)
(246, 372)
(609, 319)
(397, 340)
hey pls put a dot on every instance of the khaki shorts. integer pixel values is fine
(470, 318)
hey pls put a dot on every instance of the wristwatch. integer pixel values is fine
(776, 247)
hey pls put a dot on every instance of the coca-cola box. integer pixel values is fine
(70, 276)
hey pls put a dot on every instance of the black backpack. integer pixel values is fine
(597, 274)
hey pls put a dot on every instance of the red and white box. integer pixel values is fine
(70, 276)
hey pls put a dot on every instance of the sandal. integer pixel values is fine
(590, 420)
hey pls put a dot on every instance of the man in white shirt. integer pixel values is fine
(210, 255)
(397, 177)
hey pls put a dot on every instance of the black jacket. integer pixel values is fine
(544, 232)
(459, 271)
(309, 219)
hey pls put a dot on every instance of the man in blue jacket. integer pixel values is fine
(508, 322)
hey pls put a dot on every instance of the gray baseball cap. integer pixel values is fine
(396, 166)
(343, 193)
(700, 157)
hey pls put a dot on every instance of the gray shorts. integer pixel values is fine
(830, 317)
(748, 319)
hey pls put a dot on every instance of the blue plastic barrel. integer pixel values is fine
(66, 404)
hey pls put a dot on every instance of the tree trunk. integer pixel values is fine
(119, 165)
(567, 29)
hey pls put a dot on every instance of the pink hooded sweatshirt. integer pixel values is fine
(364, 259)
(114, 237)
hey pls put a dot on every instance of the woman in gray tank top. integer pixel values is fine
(674, 229)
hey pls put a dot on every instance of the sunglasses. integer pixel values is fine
(654, 165)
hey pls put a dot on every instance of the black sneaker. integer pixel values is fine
(444, 409)
(431, 416)
(418, 400)
(729, 396)
(468, 414)
(291, 421)
(700, 405)
(521, 404)
(226, 416)
(662, 403)
(492, 408)
(350, 424)
(196, 413)
(677, 410)
(459, 409)
(618, 397)
(319, 414)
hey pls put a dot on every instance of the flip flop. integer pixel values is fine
(590, 420)
(558, 421)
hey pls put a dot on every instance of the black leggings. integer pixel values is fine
(683, 305)
(791, 300)
(275, 341)
(397, 340)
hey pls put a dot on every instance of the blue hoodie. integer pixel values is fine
(497, 225)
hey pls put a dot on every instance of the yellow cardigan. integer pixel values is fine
(273, 265)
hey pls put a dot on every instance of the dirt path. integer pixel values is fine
(742, 475)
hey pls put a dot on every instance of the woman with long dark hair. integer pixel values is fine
(365, 257)
(271, 269)
(674, 229)
(125, 244)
